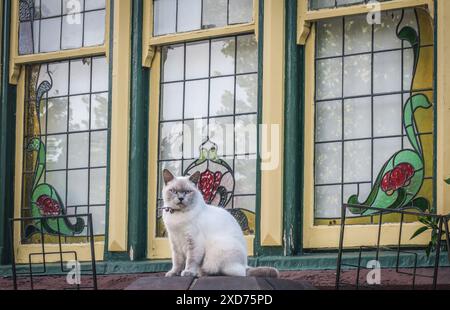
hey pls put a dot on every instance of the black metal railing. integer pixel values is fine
(441, 220)
(56, 267)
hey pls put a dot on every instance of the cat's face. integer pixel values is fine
(180, 193)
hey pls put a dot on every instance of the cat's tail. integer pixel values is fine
(262, 272)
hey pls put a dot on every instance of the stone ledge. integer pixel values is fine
(217, 284)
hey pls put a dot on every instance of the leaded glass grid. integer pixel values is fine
(364, 78)
(210, 88)
(55, 25)
(173, 16)
(66, 129)
(326, 4)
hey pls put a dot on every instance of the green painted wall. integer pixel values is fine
(7, 134)
(137, 213)
(293, 142)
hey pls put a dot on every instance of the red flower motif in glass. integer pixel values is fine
(397, 178)
(48, 206)
(209, 183)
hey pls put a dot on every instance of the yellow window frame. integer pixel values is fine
(315, 236)
(272, 113)
(118, 164)
(306, 17)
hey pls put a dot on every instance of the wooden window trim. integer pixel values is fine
(272, 112)
(150, 43)
(306, 17)
(315, 236)
(117, 208)
(16, 60)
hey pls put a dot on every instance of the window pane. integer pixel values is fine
(357, 75)
(53, 28)
(79, 113)
(358, 35)
(175, 16)
(99, 145)
(97, 191)
(196, 99)
(164, 16)
(78, 150)
(357, 116)
(223, 53)
(247, 54)
(246, 93)
(322, 4)
(366, 121)
(329, 37)
(50, 34)
(197, 60)
(99, 111)
(173, 60)
(94, 28)
(328, 121)
(329, 78)
(95, 4)
(100, 74)
(189, 15)
(66, 139)
(77, 195)
(222, 96)
(219, 120)
(72, 34)
(241, 11)
(214, 13)
(50, 8)
(80, 71)
(57, 115)
(172, 96)
(56, 152)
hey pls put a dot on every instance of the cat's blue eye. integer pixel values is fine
(173, 191)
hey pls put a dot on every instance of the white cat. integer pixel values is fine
(205, 240)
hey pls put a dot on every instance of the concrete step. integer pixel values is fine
(217, 283)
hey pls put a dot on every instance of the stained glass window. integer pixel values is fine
(54, 25)
(172, 16)
(208, 121)
(66, 140)
(325, 4)
(374, 113)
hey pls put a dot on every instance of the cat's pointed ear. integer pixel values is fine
(195, 177)
(167, 176)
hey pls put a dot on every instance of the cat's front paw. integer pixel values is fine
(188, 273)
(172, 273)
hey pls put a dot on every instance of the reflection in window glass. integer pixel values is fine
(373, 140)
(54, 25)
(323, 4)
(209, 106)
(66, 138)
(173, 16)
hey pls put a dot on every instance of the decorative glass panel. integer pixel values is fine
(174, 16)
(208, 122)
(326, 4)
(66, 139)
(54, 25)
(373, 114)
